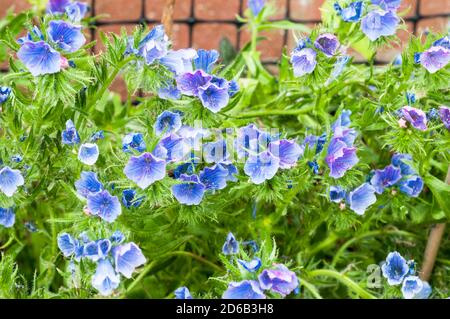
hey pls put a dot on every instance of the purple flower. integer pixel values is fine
(327, 43)
(145, 169)
(182, 293)
(288, 151)
(169, 93)
(190, 192)
(88, 153)
(40, 58)
(395, 268)
(129, 198)
(205, 60)
(444, 114)
(213, 97)
(190, 82)
(417, 118)
(216, 152)
(57, 6)
(7, 217)
(252, 265)
(414, 288)
(256, 6)
(127, 258)
(361, 198)
(388, 5)
(104, 205)
(154, 46)
(280, 280)
(337, 194)
(167, 122)
(340, 158)
(352, 13)
(346, 135)
(246, 289)
(70, 135)
(303, 61)
(179, 62)
(214, 178)
(379, 23)
(384, 178)
(411, 186)
(435, 58)
(10, 180)
(88, 184)
(133, 141)
(231, 245)
(4, 94)
(105, 279)
(76, 11)
(261, 167)
(65, 35)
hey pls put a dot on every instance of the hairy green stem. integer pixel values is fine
(312, 289)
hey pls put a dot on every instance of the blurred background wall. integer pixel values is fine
(205, 23)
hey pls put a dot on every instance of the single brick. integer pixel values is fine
(119, 10)
(389, 53)
(270, 47)
(180, 37)
(432, 24)
(430, 7)
(208, 35)
(216, 9)
(306, 9)
(154, 9)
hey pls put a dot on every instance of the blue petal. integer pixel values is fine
(145, 169)
(179, 62)
(411, 186)
(395, 268)
(76, 11)
(129, 198)
(10, 180)
(88, 184)
(261, 167)
(189, 83)
(70, 134)
(379, 23)
(133, 141)
(216, 152)
(5, 92)
(117, 237)
(57, 6)
(104, 205)
(190, 192)
(127, 258)
(414, 288)
(7, 217)
(337, 194)
(252, 265)
(65, 35)
(288, 151)
(256, 6)
(105, 280)
(182, 293)
(387, 177)
(361, 198)
(167, 122)
(67, 244)
(206, 60)
(88, 153)
(304, 61)
(39, 58)
(231, 245)
(246, 289)
(214, 178)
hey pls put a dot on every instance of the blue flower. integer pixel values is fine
(417, 118)
(327, 43)
(182, 293)
(343, 120)
(213, 97)
(337, 194)
(395, 268)
(252, 265)
(154, 46)
(444, 114)
(16, 158)
(66, 36)
(179, 62)
(232, 171)
(186, 168)
(70, 135)
(145, 169)
(233, 88)
(169, 92)
(175, 146)
(388, 5)
(261, 167)
(398, 160)
(105, 279)
(91, 251)
(76, 11)
(385, 178)
(231, 245)
(57, 6)
(4, 94)
(340, 158)
(247, 140)
(190, 192)
(304, 61)
(443, 42)
(205, 60)
(246, 289)
(216, 152)
(127, 258)
(361, 198)
(314, 166)
(256, 6)
(32, 36)
(99, 135)
(88, 184)
(410, 98)
(352, 13)
(133, 141)
(379, 23)
(40, 58)
(7, 217)
(411, 186)
(214, 178)
(88, 153)
(434, 58)
(129, 198)
(117, 237)
(288, 151)
(167, 122)
(104, 205)
(10, 180)
(104, 247)
(67, 244)
(414, 288)
(280, 280)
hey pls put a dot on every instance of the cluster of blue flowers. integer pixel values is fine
(112, 256)
(398, 271)
(88, 153)
(399, 173)
(381, 20)
(436, 57)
